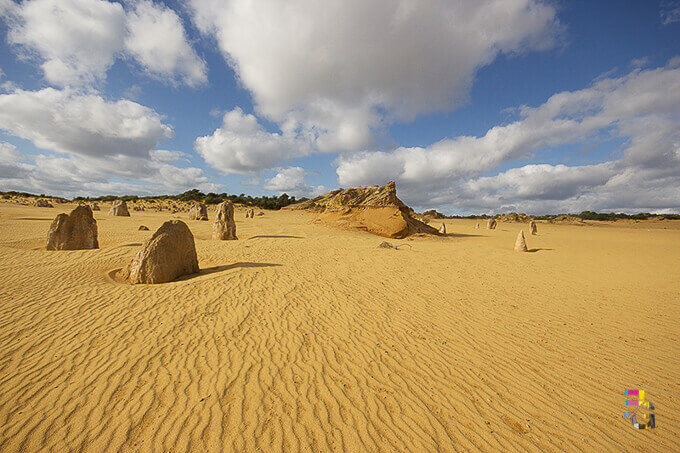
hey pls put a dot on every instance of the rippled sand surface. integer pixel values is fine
(301, 336)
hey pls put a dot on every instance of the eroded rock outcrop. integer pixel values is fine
(375, 209)
(532, 228)
(521, 243)
(168, 254)
(198, 211)
(74, 231)
(491, 224)
(224, 227)
(119, 208)
(40, 203)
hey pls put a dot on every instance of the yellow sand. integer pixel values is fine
(301, 336)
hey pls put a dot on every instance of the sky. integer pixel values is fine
(471, 107)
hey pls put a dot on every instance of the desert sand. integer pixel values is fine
(303, 336)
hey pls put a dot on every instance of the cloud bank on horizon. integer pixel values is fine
(310, 96)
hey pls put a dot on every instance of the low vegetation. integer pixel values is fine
(262, 202)
(279, 202)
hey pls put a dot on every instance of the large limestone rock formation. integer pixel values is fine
(442, 230)
(198, 211)
(74, 231)
(434, 214)
(169, 253)
(513, 217)
(375, 209)
(491, 224)
(95, 207)
(40, 203)
(224, 227)
(119, 207)
(532, 228)
(250, 213)
(520, 243)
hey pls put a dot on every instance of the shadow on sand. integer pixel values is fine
(276, 237)
(463, 235)
(215, 269)
(537, 250)
(31, 218)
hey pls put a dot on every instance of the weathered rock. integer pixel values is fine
(74, 231)
(477, 226)
(260, 213)
(168, 254)
(520, 243)
(95, 207)
(491, 224)
(434, 214)
(143, 228)
(138, 208)
(375, 209)
(250, 213)
(532, 228)
(198, 211)
(40, 203)
(119, 208)
(224, 227)
(442, 230)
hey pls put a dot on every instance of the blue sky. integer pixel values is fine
(508, 105)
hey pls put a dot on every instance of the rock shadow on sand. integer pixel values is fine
(226, 267)
(114, 274)
(275, 237)
(537, 250)
(462, 235)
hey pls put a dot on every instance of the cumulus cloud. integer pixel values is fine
(156, 38)
(77, 41)
(68, 175)
(642, 107)
(669, 12)
(68, 122)
(243, 145)
(291, 180)
(338, 72)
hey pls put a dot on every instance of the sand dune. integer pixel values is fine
(300, 336)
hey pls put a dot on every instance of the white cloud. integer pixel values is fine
(88, 125)
(156, 38)
(291, 180)
(642, 107)
(242, 145)
(338, 72)
(89, 175)
(77, 41)
(670, 12)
